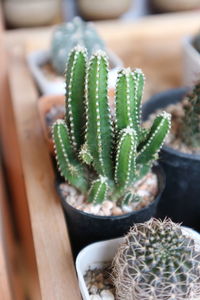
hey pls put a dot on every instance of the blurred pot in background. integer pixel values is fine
(175, 5)
(25, 13)
(103, 9)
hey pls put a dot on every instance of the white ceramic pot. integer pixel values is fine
(191, 63)
(103, 9)
(99, 253)
(176, 5)
(48, 87)
(23, 13)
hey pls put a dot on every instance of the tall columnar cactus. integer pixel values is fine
(190, 130)
(66, 36)
(100, 156)
(157, 262)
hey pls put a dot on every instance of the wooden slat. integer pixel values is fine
(11, 280)
(52, 248)
(13, 168)
(5, 280)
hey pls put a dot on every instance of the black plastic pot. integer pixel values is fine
(181, 198)
(86, 228)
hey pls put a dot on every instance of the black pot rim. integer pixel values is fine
(166, 148)
(157, 169)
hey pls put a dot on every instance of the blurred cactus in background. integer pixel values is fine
(67, 36)
(190, 130)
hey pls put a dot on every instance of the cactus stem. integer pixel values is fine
(60, 122)
(136, 76)
(122, 167)
(72, 103)
(98, 191)
(97, 104)
(165, 116)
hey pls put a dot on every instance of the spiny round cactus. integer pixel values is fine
(157, 261)
(190, 131)
(67, 36)
(102, 157)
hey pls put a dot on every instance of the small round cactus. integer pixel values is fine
(67, 36)
(157, 261)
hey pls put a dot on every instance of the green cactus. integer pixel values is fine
(110, 155)
(68, 35)
(157, 261)
(190, 130)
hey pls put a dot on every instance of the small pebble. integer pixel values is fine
(95, 297)
(101, 213)
(93, 289)
(95, 209)
(127, 209)
(107, 204)
(153, 190)
(151, 181)
(99, 277)
(107, 295)
(106, 211)
(116, 211)
(143, 193)
(87, 209)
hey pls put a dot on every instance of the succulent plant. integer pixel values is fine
(190, 130)
(157, 261)
(68, 35)
(101, 155)
(196, 42)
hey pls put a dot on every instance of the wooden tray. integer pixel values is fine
(153, 44)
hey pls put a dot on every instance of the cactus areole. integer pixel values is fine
(157, 261)
(102, 156)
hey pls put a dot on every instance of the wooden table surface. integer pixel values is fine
(154, 44)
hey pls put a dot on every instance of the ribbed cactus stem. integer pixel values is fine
(124, 99)
(129, 90)
(98, 190)
(68, 165)
(98, 129)
(155, 139)
(138, 79)
(75, 85)
(125, 166)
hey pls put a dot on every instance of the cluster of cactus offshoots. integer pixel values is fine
(191, 122)
(67, 36)
(157, 261)
(100, 153)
